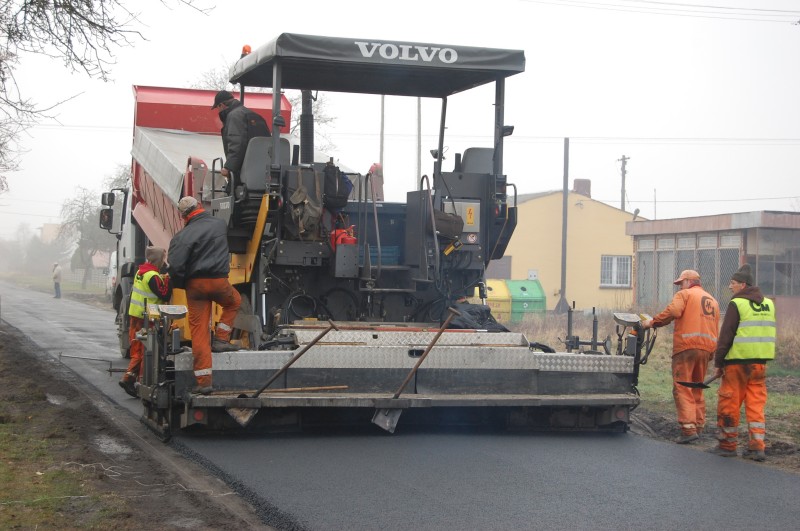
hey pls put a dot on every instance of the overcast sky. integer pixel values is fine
(705, 100)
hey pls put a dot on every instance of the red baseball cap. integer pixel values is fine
(687, 274)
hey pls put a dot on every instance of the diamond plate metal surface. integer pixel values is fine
(441, 357)
(585, 363)
(381, 338)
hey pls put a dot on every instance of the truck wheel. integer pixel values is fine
(122, 333)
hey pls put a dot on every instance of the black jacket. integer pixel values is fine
(199, 250)
(239, 125)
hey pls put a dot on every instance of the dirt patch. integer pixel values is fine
(66, 465)
(781, 454)
(783, 384)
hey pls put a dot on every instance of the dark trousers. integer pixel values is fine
(57, 286)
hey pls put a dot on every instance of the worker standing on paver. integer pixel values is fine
(694, 340)
(199, 262)
(239, 126)
(746, 344)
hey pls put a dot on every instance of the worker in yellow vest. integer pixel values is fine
(149, 287)
(746, 344)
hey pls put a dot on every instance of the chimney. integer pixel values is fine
(583, 187)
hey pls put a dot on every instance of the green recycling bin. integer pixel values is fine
(527, 297)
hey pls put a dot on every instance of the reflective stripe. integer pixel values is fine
(223, 326)
(758, 436)
(688, 426)
(203, 372)
(140, 292)
(734, 429)
(700, 334)
(137, 303)
(758, 323)
(758, 425)
(754, 340)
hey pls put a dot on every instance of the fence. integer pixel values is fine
(97, 278)
(656, 269)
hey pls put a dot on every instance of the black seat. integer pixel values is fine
(477, 160)
(255, 167)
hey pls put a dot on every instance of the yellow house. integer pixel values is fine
(599, 253)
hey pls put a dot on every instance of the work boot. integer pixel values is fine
(722, 452)
(202, 390)
(218, 345)
(129, 386)
(755, 455)
(688, 439)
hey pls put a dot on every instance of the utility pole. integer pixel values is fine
(655, 212)
(383, 119)
(419, 144)
(624, 161)
(562, 306)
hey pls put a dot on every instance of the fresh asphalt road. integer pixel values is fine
(367, 479)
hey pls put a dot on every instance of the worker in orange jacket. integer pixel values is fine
(694, 340)
(746, 344)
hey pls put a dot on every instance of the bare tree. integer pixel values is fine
(81, 33)
(121, 178)
(80, 216)
(218, 79)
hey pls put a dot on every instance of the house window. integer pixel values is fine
(615, 271)
(733, 239)
(665, 243)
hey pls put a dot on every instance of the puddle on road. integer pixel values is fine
(109, 445)
(56, 400)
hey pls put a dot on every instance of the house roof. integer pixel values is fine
(737, 221)
(524, 198)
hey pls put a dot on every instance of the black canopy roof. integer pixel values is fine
(373, 66)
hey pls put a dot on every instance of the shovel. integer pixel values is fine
(387, 418)
(699, 385)
(243, 415)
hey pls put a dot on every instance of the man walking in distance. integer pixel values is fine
(199, 262)
(149, 287)
(239, 125)
(57, 280)
(694, 340)
(746, 343)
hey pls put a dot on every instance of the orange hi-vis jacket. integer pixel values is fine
(696, 316)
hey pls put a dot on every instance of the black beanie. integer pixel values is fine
(744, 274)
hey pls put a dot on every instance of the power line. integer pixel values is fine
(788, 16)
(600, 139)
(20, 199)
(708, 200)
(98, 128)
(716, 7)
(3, 212)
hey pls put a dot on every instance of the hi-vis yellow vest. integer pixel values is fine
(755, 337)
(141, 295)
